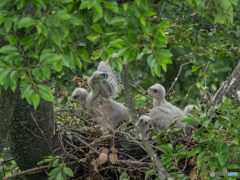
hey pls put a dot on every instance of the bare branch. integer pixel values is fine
(162, 173)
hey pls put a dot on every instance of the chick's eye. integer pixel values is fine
(155, 90)
(141, 120)
(75, 97)
(105, 76)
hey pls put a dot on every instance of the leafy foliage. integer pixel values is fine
(60, 171)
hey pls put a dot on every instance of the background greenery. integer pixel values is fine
(59, 39)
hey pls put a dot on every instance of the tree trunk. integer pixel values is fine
(6, 113)
(32, 134)
(229, 87)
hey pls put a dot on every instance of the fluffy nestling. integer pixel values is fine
(100, 106)
(79, 96)
(145, 121)
(161, 117)
(157, 91)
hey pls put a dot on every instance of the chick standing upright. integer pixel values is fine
(163, 112)
(100, 106)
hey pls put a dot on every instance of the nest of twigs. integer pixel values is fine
(109, 155)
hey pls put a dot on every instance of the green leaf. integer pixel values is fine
(53, 58)
(115, 43)
(212, 164)
(200, 156)
(189, 121)
(44, 56)
(25, 90)
(57, 66)
(151, 60)
(157, 70)
(119, 65)
(111, 5)
(142, 20)
(165, 53)
(61, 176)
(56, 22)
(194, 151)
(151, 171)
(179, 146)
(78, 62)
(167, 155)
(96, 17)
(107, 15)
(85, 4)
(35, 100)
(97, 28)
(165, 148)
(55, 162)
(29, 95)
(7, 23)
(54, 172)
(118, 20)
(42, 30)
(132, 38)
(13, 77)
(127, 57)
(224, 148)
(220, 18)
(55, 38)
(46, 71)
(149, 13)
(104, 56)
(25, 22)
(63, 15)
(68, 171)
(182, 156)
(122, 51)
(110, 51)
(182, 151)
(93, 38)
(72, 62)
(83, 53)
(12, 40)
(199, 131)
(233, 166)
(231, 1)
(98, 8)
(65, 60)
(65, 30)
(4, 76)
(12, 57)
(33, 55)
(1, 18)
(138, 2)
(45, 92)
(27, 40)
(8, 49)
(223, 158)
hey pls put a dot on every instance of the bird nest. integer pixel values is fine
(113, 154)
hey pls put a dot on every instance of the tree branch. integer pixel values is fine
(162, 173)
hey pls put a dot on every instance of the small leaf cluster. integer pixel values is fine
(170, 158)
(218, 137)
(60, 171)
